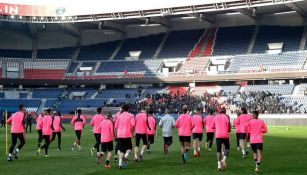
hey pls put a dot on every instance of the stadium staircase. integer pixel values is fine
(200, 45)
(211, 41)
(41, 106)
(253, 40)
(94, 95)
(296, 90)
(116, 51)
(304, 38)
(161, 45)
(76, 54)
(4, 68)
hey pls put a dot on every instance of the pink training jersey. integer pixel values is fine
(17, 122)
(57, 124)
(78, 123)
(141, 123)
(124, 125)
(221, 125)
(39, 121)
(209, 122)
(116, 115)
(198, 122)
(106, 129)
(95, 122)
(235, 124)
(242, 121)
(184, 124)
(256, 128)
(152, 125)
(47, 125)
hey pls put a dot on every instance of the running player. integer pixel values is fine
(222, 129)
(78, 123)
(197, 132)
(167, 123)
(242, 121)
(95, 123)
(141, 125)
(17, 120)
(151, 129)
(106, 128)
(57, 125)
(39, 128)
(116, 143)
(185, 124)
(256, 127)
(125, 127)
(237, 127)
(47, 128)
(208, 122)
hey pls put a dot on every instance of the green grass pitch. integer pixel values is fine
(284, 153)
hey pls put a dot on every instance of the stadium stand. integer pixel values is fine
(285, 89)
(72, 67)
(180, 43)
(45, 69)
(233, 40)
(118, 93)
(146, 44)
(84, 92)
(9, 53)
(290, 36)
(11, 104)
(101, 51)
(272, 62)
(47, 93)
(56, 53)
(69, 105)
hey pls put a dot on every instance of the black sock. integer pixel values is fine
(258, 163)
(186, 150)
(182, 157)
(255, 160)
(107, 162)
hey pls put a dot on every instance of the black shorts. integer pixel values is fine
(257, 146)
(185, 139)
(242, 136)
(220, 142)
(138, 138)
(107, 146)
(198, 136)
(151, 138)
(124, 144)
(248, 137)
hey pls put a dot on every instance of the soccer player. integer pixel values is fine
(167, 123)
(95, 123)
(57, 126)
(116, 143)
(106, 129)
(17, 120)
(237, 127)
(256, 127)
(29, 119)
(78, 123)
(197, 132)
(222, 129)
(185, 124)
(151, 129)
(39, 128)
(125, 127)
(47, 128)
(242, 121)
(141, 125)
(208, 122)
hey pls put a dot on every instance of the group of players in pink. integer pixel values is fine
(124, 125)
